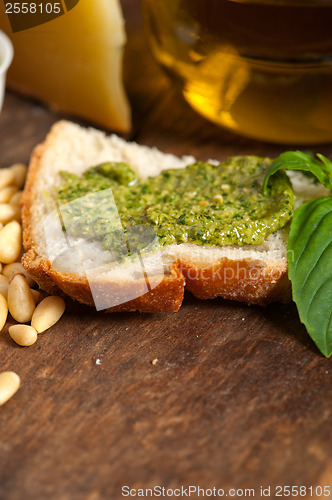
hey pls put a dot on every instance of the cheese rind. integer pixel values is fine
(74, 63)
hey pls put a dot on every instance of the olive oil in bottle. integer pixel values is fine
(262, 68)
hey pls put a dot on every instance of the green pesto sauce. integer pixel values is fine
(203, 204)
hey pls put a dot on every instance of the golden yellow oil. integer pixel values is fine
(262, 68)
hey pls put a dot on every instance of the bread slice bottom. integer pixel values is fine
(251, 274)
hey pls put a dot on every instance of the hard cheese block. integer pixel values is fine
(74, 63)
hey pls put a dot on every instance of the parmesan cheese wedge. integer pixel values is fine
(74, 63)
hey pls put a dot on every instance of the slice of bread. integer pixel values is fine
(252, 274)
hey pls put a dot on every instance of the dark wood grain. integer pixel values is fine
(239, 397)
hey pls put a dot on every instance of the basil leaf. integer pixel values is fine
(296, 160)
(310, 269)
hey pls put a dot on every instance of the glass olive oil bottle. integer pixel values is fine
(262, 68)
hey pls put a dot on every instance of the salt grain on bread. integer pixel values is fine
(252, 274)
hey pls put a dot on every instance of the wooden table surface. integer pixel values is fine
(239, 398)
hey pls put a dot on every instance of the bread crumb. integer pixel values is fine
(98, 361)
(154, 361)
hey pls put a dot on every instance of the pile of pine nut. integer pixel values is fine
(17, 295)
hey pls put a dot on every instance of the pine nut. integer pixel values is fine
(16, 267)
(9, 384)
(23, 335)
(7, 193)
(21, 304)
(4, 282)
(7, 177)
(9, 212)
(37, 295)
(47, 313)
(10, 242)
(16, 198)
(3, 311)
(20, 173)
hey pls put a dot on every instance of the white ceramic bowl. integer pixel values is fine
(6, 57)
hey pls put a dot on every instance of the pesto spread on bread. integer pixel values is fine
(205, 204)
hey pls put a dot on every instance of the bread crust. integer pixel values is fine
(248, 280)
